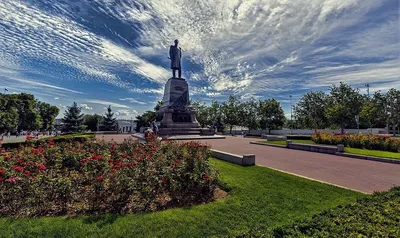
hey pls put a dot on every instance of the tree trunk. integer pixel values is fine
(230, 131)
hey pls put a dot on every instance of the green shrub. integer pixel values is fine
(103, 177)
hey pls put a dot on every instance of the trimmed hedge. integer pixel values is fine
(81, 137)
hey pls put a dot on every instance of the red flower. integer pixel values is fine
(41, 166)
(8, 157)
(164, 180)
(91, 151)
(177, 161)
(27, 173)
(134, 163)
(2, 171)
(18, 169)
(206, 176)
(1, 179)
(40, 149)
(100, 178)
(33, 150)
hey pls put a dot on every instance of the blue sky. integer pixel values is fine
(111, 52)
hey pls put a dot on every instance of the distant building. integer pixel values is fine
(126, 126)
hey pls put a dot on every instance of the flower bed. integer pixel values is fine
(371, 142)
(89, 177)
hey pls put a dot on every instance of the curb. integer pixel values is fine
(354, 156)
(258, 143)
(366, 157)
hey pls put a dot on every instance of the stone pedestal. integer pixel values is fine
(176, 116)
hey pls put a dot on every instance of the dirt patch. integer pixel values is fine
(219, 194)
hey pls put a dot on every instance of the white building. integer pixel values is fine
(126, 126)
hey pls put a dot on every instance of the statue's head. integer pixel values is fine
(176, 42)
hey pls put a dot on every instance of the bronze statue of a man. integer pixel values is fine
(175, 55)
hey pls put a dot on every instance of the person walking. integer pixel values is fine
(155, 128)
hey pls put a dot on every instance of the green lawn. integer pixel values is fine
(283, 142)
(260, 198)
(375, 153)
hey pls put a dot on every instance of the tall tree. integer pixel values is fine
(249, 114)
(271, 114)
(73, 119)
(309, 111)
(343, 104)
(145, 119)
(47, 114)
(202, 113)
(231, 111)
(109, 121)
(92, 122)
(393, 108)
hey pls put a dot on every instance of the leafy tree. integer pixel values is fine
(343, 104)
(271, 114)
(145, 119)
(158, 106)
(309, 111)
(203, 115)
(47, 114)
(393, 108)
(29, 118)
(73, 119)
(249, 114)
(109, 121)
(92, 122)
(8, 114)
(231, 111)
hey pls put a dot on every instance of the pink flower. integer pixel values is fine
(177, 161)
(41, 166)
(164, 180)
(2, 171)
(100, 178)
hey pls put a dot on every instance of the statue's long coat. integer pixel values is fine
(175, 53)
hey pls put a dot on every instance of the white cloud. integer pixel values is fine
(86, 107)
(56, 98)
(132, 100)
(125, 113)
(106, 103)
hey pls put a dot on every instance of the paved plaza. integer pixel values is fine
(362, 175)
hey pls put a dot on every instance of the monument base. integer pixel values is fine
(176, 116)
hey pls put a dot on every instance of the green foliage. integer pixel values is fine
(231, 111)
(376, 216)
(24, 112)
(393, 107)
(145, 119)
(273, 199)
(203, 114)
(73, 119)
(109, 122)
(92, 122)
(272, 115)
(88, 177)
(47, 114)
(309, 111)
(343, 104)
